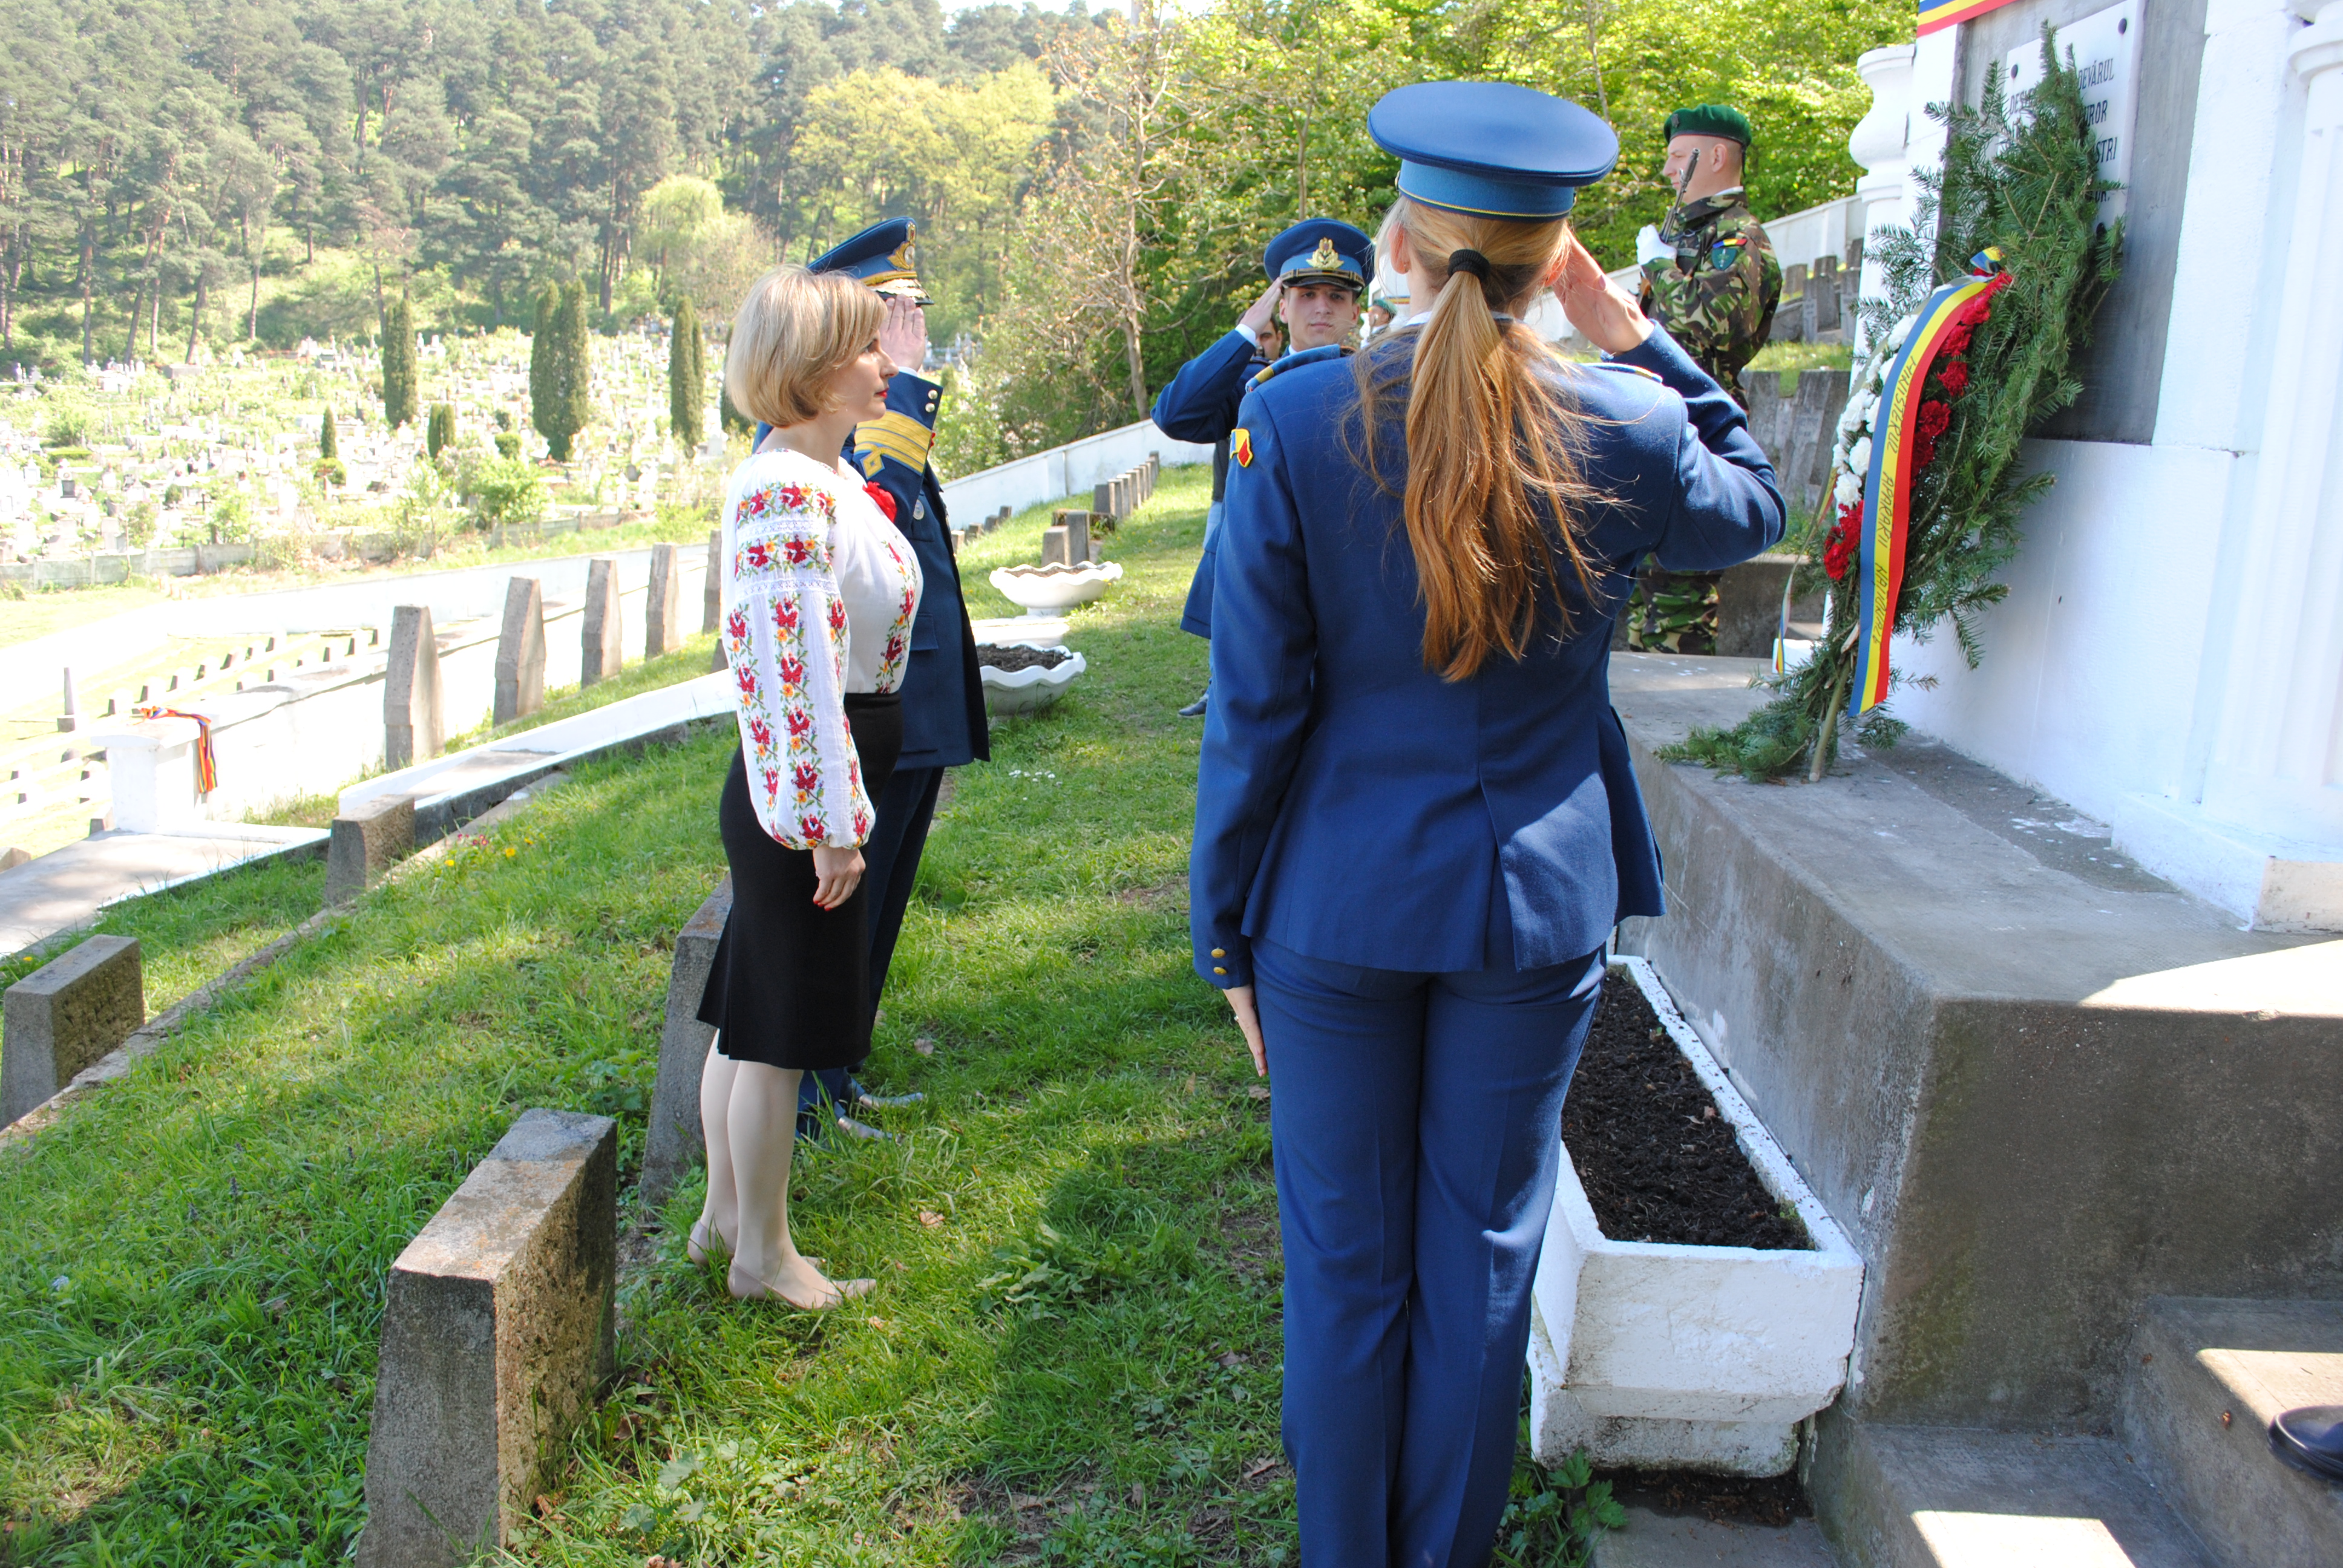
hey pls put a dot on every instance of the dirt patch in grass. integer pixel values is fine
(1658, 1161)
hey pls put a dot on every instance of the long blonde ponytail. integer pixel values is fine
(1494, 490)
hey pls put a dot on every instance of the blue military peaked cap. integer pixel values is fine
(880, 256)
(1321, 250)
(1491, 149)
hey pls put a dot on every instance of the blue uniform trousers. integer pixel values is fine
(890, 865)
(1416, 1120)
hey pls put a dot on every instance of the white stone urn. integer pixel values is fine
(1040, 590)
(1028, 690)
(1668, 1356)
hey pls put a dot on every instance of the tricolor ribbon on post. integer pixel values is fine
(1887, 489)
(206, 764)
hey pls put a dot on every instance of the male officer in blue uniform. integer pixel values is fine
(943, 696)
(1317, 270)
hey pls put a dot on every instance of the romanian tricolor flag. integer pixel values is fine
(1887, 491)
(1241, 446)
(207, 760)
(1935, 15)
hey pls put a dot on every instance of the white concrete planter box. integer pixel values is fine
(1009, 692)
(1684, 1357)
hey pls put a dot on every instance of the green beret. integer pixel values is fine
(1710, 120)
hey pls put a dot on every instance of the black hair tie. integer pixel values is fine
(1471, 261)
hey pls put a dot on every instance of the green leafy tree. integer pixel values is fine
(399, 379)
(439, 429)
(687, 376)
(326, 450)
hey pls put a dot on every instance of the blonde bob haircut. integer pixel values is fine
(793, 330)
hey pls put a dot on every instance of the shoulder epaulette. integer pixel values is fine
(1306, 356)
(1627, 369)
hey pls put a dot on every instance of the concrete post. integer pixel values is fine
(70, 718)
(367, 844)
(605, 629)
(675, 1142)
(1103, 498)
(414, 724)
(496, 1329)
(711, 592)
(1056, 546)
(1877, 143)
(64, 1016)
(520, 651)
(152, 763)
(662, 633)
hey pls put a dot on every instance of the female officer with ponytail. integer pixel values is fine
(1415, 819)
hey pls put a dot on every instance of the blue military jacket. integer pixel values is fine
(1353, 806)
(1201, 405)
(944, 695)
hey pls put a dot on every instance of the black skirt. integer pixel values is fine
(790, 985)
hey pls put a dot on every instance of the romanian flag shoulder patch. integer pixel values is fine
(1241, 446)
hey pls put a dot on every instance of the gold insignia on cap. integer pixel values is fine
(1324, 258)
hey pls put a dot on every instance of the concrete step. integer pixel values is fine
(1655, 1540)
(1949, 1497)
(2206, 1377)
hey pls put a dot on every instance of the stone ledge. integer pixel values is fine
(496, 1332)
(2036, 1084)
(674, 1141)
(66, 1016)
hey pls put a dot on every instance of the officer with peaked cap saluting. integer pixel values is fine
(1317, 270)
(1416, 818)
(1710, 278)
(944, 695)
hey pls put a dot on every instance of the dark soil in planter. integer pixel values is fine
(1020, 658)
(1725, 1498)
(1657, 1159)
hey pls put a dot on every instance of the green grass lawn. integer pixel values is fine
(1072, 1352)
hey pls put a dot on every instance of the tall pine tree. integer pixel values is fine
(560, 373)
(398, 380)
(687, 376)
(326, 435)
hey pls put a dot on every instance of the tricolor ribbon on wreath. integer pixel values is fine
(206, 764)
(1912, 413)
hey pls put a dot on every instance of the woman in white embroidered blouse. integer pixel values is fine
(820, 590)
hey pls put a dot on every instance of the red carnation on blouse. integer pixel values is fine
(886, 502)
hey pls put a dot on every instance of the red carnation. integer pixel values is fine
(1845, 538)
(1933, 419)
(886, 502)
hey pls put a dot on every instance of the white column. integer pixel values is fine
(1897, 137)
(2277, 761)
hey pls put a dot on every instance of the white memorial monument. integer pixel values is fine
(2171, 656)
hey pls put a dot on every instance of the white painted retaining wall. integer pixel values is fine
(1070, 470)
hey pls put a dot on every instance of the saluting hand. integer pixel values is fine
(1264, 311)
(903, 335)
(1606, 315)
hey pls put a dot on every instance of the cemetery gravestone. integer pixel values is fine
(414, 726)
(662, 605)
(605, 631)
(520, 651)
(674, 1142)
(496, 1329)
(711, 592)
(365, 844)
(66, 1015)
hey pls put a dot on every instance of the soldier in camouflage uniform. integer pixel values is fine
(1710, 279)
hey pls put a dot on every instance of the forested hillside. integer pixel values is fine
(178, 175)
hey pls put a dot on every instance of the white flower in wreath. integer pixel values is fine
(1903, 330)
(1859, 460)
(1849, 491)
(1856, 416)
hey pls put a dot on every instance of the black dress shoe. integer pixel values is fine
(2311, 1440)
(1196, 708)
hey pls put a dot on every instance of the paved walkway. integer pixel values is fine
(65, 889)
